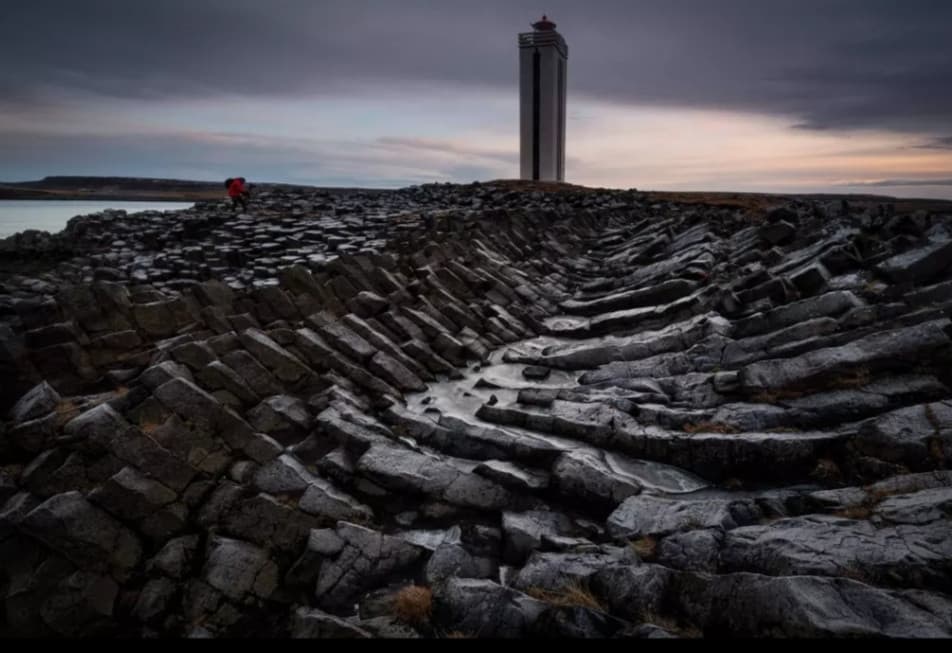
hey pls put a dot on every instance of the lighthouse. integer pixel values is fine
(543, 58)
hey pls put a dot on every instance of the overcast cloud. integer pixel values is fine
(842, 66)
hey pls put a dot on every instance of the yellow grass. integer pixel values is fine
(413, 604)
(708, 427)
(572, 595)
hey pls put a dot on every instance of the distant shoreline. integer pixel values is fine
(135, 189)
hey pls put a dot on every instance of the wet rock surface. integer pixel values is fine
(481, 412)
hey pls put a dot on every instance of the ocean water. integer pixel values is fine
(52, 216)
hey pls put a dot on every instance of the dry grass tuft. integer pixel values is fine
(65, 411)
(708, 427)
(856, 378)
(853, 379)
(672, 626)
(148, 427)
(862, 511)
(773, 396)
(572, 595)
(413, 605)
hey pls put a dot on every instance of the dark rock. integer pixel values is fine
(652, 516)
(777, 233)
(311, 623)
(237, 569)
(751, 605)
(576, 622)
(39, 401)
(175, 558)
(283, 417)
(484, 608)
(84, 534)
(367, 559)
(408, 471)
(131, 496)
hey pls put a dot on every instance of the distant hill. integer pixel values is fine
(117, 188)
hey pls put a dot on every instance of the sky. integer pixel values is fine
(717, 95)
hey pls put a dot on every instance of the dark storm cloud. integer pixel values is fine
(825, 64)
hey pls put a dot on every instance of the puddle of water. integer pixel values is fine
(656, 476)
(565, 323)
(461, 399)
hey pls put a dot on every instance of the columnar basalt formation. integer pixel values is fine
(477, 411)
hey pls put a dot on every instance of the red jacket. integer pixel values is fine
(236, 188)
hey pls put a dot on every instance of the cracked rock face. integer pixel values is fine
(479, 412)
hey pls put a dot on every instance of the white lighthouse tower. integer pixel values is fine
(543, 57)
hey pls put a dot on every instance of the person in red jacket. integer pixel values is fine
(237, 192)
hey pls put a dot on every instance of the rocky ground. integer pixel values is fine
(479, 412)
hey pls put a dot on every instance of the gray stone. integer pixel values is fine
(919, 264)
(923, 507)
(155, 600)
(267, 522)
(523, 532)
(54, 471)
(283, 417)
(190, 402)
(155, 318)
(778, 232)
(131, 496)
(286, 366)
(513, 476)
(904, 555)
(83, 533)
(81, 604)
(194, 354)
(367, 559)
(404, 470)
(342, 338)
(554, 572)
(310, 623)
(586, 476)
(370, 304)
(635, 593)
(216, 375)
(916, 436)
(394, 372)
(237, 569)
(321, 543)
(830, 304)
(751, 605)
(486, 609)
(284, 475)
(576, 622)
(654, 516)
(258, 379)
(697, 550)
(453, 561)
(164, 372)
(175, 558)
(322, 499)
(887, 348)
(262, 448)
(39, 401)
(387, 628)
